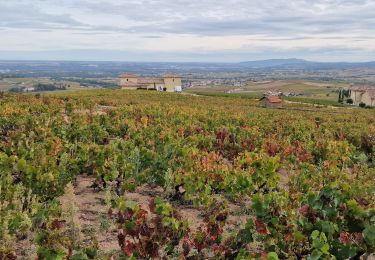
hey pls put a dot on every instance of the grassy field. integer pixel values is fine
(309, 89)
(312, 91)
(7, 83)
(71, 85)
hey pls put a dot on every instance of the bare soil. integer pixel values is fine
(94, 222)
(93, 213)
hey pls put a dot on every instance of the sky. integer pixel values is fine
(187, 30)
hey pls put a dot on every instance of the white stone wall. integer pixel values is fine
(367, 99)
(362, 97)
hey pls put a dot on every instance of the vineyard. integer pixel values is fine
(183, 177)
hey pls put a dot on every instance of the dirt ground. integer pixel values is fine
(93, 219)
(93, 211)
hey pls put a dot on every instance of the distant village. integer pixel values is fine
(282, 94)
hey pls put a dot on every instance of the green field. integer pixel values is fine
(7, 83)
(309, 89)
(71, 85)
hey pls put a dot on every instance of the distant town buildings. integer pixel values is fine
(281, 94)
(29, 89)
(363, 94)
(215, 82)
(271, 102)
(168, 82)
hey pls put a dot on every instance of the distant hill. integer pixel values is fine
(261, 69)
(304, 64)
(275, 63)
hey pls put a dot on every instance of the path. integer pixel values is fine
(92, 215)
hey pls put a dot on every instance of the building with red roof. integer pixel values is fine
(271, 101)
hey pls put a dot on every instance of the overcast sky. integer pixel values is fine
(187, 30)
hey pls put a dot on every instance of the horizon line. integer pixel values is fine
(213, 62)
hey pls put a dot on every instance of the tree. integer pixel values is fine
(341, 96)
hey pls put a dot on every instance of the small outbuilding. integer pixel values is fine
(271, 102)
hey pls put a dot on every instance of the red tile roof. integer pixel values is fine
(272, 99)
(364, 89)
(371, 93)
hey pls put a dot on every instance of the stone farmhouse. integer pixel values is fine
(271, 102)
(168, 82)
(363, 94)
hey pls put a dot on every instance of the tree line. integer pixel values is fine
(38, 87)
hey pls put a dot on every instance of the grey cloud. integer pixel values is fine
(152, 37)
(316, 54)
(258, 20)
(209, 17)
(236, 17)
(27, 16)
